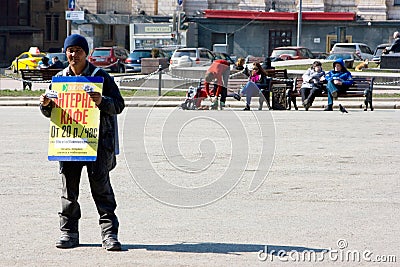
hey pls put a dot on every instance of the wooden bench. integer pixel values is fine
(278, 84)
(277, 76)
(36, 75)
(361, 87)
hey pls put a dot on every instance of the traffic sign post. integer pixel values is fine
(71, 4)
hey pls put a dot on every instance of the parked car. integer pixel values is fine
(27, 60)
(134, 61)
(111, 58)
(61, 56)
(348, 58)
(320, 55)
(363, 50)
(290, 53)
(378, 52)
(221, 55)
(190, 57)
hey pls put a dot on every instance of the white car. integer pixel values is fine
(191, 57)
(363, 50)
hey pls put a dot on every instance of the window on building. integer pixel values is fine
(48, 28)
(23, 13)
(396, 3)
(109, 32)
(56, 36)
(52, 28)
(279, 38)
(2, 47)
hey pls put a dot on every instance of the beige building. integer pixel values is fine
(107, 21)
(42, 23)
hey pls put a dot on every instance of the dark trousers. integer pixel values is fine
(309, 93)
(264, 96)
(224, 93)
(102, 194)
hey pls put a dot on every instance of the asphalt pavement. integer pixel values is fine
(215, 188)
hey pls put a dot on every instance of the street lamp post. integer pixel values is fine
(299, 23)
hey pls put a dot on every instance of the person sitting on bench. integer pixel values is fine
(311, 84)
(339, 79)
(258, 82)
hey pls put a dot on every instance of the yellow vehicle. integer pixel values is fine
(27, 60)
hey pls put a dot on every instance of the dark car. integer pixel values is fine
(111, 58)
(134, 60)
(348, 58)
(378, 52)
(221, 55)
(291, 52)
(61, 57)
(344, 56)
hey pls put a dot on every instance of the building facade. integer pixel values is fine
(25, 23)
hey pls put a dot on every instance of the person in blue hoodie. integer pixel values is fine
(338, 80)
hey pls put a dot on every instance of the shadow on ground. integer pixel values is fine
(218, 248)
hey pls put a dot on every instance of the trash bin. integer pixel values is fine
(278, 95)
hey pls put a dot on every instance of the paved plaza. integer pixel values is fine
(215, 188)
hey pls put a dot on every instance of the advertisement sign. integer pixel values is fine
(75, 119)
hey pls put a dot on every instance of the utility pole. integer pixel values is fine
(71, 7)
(155, 7)
(299, 19)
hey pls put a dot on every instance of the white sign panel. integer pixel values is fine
(75, 15)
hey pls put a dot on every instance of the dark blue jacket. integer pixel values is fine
(344, 75)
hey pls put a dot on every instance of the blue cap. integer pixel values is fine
(76, 40)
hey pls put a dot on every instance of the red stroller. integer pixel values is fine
(194, 97)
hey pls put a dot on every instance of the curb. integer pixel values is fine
(230, 104)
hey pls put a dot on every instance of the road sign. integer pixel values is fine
(71, 4)
(74, 15)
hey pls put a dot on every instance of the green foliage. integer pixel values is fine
(25, 93)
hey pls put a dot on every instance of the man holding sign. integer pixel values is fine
(108, 102)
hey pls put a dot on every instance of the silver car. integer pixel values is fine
(191, 57)
(363, 50)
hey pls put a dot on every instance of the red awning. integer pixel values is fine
(260, 15)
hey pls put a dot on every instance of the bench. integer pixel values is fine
(361, 87)
(277, 85)
(36, 75)
(277, 76)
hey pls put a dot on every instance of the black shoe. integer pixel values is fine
(68, 240)
(307, 105)
(328, 108)
(111, 243)
(237, 97)
(247, 107)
